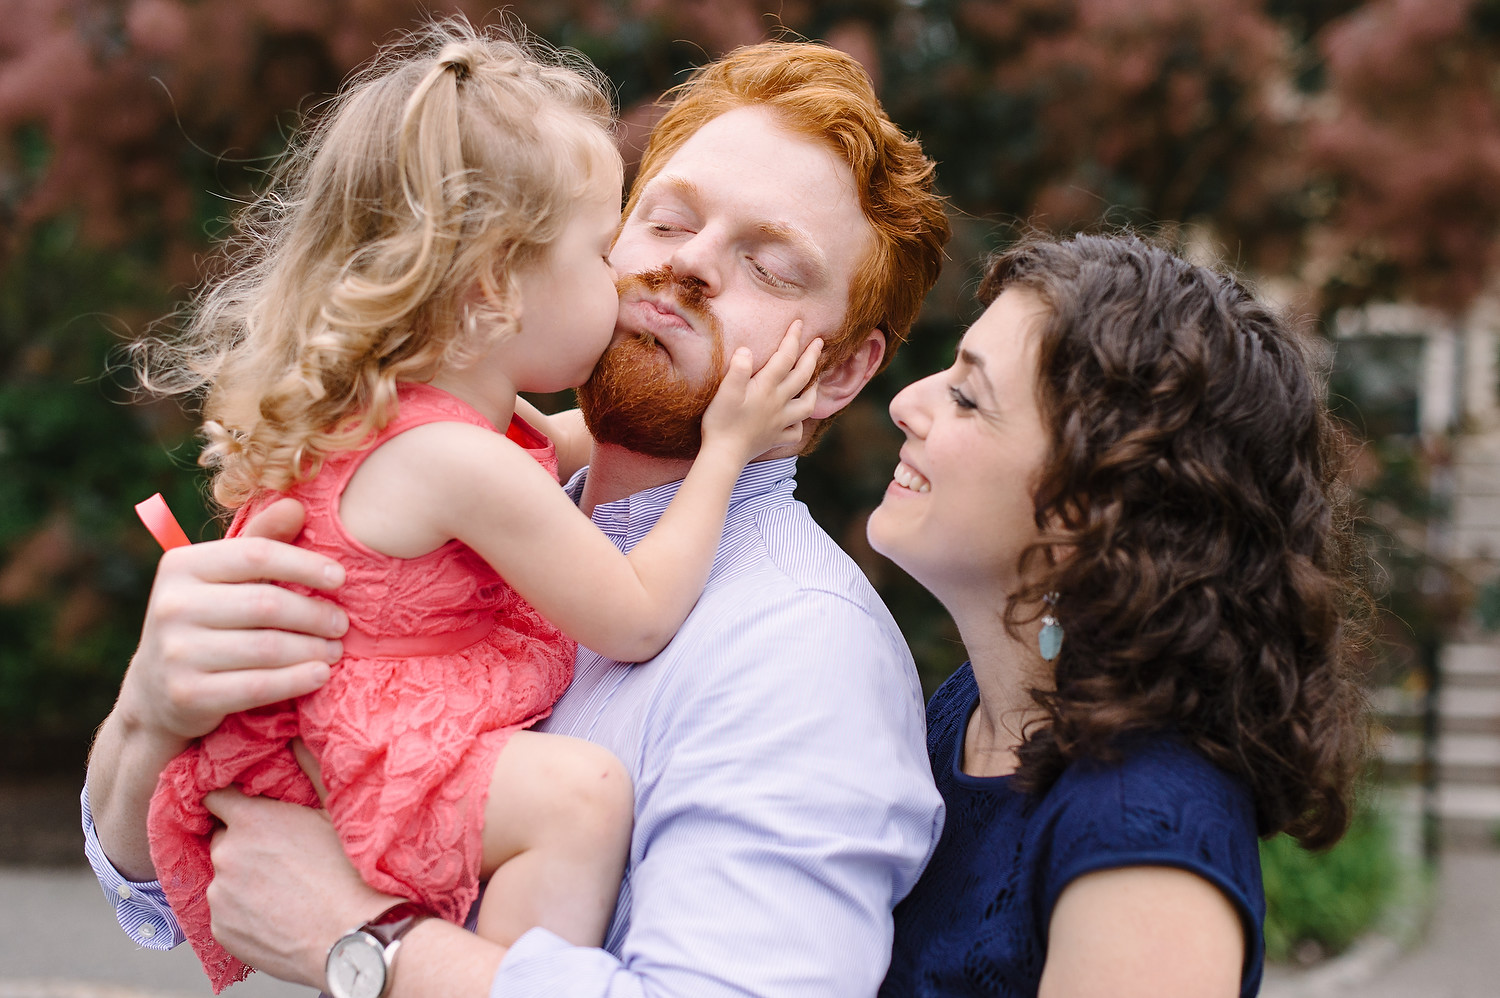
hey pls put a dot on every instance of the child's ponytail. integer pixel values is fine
(386, 248)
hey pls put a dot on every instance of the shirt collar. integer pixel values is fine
(633, 516)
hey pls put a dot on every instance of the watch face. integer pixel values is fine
(356, 967)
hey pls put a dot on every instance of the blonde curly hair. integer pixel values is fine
(386, 248)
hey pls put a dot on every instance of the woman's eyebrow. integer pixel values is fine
(975, 363)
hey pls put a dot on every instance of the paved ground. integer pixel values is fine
(58, 937)
(1457, 956)
(1460, 957)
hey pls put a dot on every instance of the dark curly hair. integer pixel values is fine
(1205, 572)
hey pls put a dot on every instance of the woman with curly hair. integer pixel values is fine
(1125, 492)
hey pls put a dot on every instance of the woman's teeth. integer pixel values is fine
(907, 477)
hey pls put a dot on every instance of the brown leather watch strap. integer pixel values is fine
(396, 921)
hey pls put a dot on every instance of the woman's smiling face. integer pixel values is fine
(960, 507)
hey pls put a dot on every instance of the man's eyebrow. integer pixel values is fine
(815, 261)
(681, 186)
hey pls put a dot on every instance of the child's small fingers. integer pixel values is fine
(738, 374)
(801, 407)
(785, 357)
(791, 337)
(807, 364)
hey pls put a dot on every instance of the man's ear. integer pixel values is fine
(838, 385)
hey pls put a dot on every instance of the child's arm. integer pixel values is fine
(447, 480)
(567, 432)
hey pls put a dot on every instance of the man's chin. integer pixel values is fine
(637, 400)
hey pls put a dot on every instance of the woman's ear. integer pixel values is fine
(838, 385)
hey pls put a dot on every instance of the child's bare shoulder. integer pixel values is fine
(416, 490)
(451, 447)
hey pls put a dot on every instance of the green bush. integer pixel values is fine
(1329, 898)
(75, 563)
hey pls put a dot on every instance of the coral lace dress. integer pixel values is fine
(442, 663)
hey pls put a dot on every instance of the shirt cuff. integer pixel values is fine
(140, 908)
(542, 963)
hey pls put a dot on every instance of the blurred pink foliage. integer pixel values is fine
(1167, 94)
(1382, 177)
(1413, 145)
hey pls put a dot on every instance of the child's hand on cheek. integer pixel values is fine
(753, 414)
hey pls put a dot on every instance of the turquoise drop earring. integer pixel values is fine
(1049, 640)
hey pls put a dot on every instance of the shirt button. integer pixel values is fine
(124, 892)
(148, 931)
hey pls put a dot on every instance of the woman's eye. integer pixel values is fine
(960, 399)
(768, 277)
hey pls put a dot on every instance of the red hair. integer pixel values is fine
(825, 94)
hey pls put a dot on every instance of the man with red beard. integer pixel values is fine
(784, 801)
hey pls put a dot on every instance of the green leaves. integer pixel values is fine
(75, 566)
(1328, 898)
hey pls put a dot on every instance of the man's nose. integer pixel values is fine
(698, 259)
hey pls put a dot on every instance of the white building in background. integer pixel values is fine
(1457, 410)
(1457, 396)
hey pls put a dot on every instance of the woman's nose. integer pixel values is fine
(910, 409)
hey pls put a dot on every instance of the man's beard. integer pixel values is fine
(635, 399)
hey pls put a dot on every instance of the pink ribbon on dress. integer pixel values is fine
(162, 524)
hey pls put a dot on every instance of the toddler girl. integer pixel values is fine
(437, 244)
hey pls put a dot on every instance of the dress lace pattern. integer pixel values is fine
(407, 743)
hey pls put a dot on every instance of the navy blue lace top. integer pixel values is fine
(976, 923)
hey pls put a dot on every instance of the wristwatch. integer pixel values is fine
(361, 964)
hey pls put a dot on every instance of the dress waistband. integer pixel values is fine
(364, 645)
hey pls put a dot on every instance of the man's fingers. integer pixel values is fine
(282, 889)
(252, 559)
(230, 692)
(212, 650)
(225, 803)
(196, 701)
(280, 521)
(310, 766)
(231, 804)
(251, 606)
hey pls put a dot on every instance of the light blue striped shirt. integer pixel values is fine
(784, 801)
